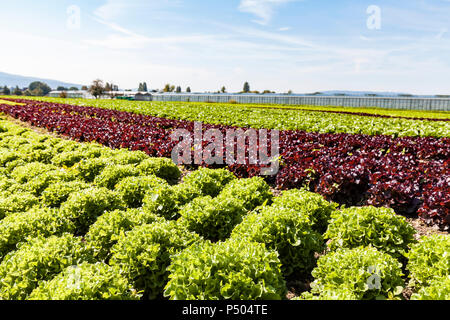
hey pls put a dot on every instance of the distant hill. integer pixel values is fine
(12, 80)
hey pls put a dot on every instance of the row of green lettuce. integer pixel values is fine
(444, 115)
(280, 119)
(81, 221)
(418, 114)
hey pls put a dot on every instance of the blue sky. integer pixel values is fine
(281, 45)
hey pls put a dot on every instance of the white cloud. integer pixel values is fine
(123, 39)
(127, 39)
(111, 9)
(263, 9)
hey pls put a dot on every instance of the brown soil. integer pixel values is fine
(423, 229)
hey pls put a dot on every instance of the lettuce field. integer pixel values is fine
(93, 208)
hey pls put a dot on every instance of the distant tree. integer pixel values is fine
(289, 92)
(188, 89)
(110, 88)
(17, 91)
(178, 89)
(166, 88)
(61, 88)
(39, 88)
(38, 92)
(267, 91)
(169, 88)
(97, 88)
(246, 87)
(63, 94)
(84, 88)
(223, 90)
(73, 89)
(6, 91)
(143, 87)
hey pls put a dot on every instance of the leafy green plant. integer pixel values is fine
(213, 218)
(35, 152)
(39, 183)
(210, 182)
(5, 183)
(185, 193)
(161, 167)
(12, 165)
(3, 173)
(286, 231)
(364, 272)
(38, 260)
(28, 171)
(166, 201)
(112, 174)
(86, 282)
(125, 157)
(59, 192)
(363, 226)
(145, 253)
(21, 226)
(235, 270)
(7, 156)
(17, 202)
(309, 204)
(252, 192)
(328, 295)
(113, 225)
(70, 158)
(62, 146)
(85, 206)
(133, 189)
(88, 169)
(429, 259)
(437, 289)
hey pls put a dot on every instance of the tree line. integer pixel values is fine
(99, 88)
(36, 88)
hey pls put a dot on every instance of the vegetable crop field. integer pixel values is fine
(92, 207)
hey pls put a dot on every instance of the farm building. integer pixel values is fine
(408, 103)
(72, 94)
(143, 97)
